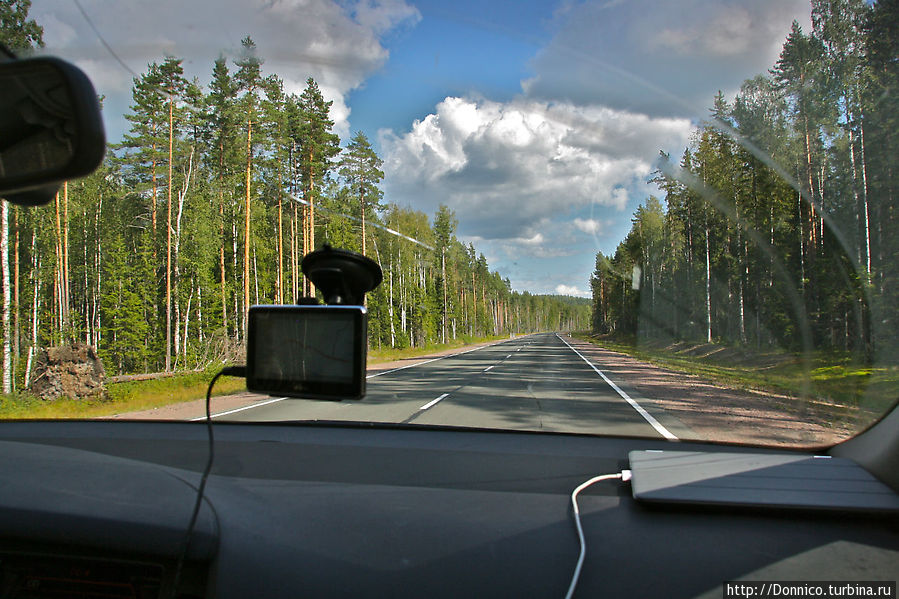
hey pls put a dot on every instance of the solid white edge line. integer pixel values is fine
(432, 402)
(646, 415)
(255, 405)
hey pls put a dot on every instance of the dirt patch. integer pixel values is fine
(721, 414)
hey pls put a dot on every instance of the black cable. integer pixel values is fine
(103, 41)
(185, 545)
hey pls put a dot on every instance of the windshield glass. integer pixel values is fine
(656, 219)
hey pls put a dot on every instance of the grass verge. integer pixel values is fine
(828, 378)
(123, 397)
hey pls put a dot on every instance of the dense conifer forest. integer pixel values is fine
(776, 227)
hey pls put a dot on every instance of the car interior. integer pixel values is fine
(340, 509)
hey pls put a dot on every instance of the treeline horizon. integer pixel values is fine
(776, 227)
(207, 206)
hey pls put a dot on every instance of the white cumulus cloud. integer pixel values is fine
(571, 290)
(507, 169)
(588, 225)
(337, 43)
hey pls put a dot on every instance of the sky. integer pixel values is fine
(538, 123)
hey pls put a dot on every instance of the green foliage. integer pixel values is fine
(778, 226)
(17, 31)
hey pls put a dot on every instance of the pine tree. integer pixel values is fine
(445, 224)
(174, 85)
(276, 125)
(249, 81)
(318, 146)
(360, 167)
(221, 158)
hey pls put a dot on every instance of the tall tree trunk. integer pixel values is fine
(311, 200)
(801, 224)
(255, 277)
(279, 280)
(15, 299)
(305, 216)
(4, 267)
(176, 267)
(294, 264)
(186, 327)
(811, 184)
(868, 265)
(235, 295)
(87, 286)
(222, 234)
(708, 286)
(35, 312)
(98, 263)
(168, 246)
(390, 306)
(67, 295)
(222, 262)
(474, 305)
(362, 203)
(57, 273)
(246, 236)
(200, 334)
(279, 295)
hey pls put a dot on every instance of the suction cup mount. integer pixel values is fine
(344, 277)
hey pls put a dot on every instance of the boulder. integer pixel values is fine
(69, 371)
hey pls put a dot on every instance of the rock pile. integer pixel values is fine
(69, 371)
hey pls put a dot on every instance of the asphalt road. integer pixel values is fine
(537, 382)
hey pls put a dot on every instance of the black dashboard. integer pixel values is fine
(101, 509)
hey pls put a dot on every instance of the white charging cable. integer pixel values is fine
(624, 476)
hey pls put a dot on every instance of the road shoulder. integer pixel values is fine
(714, 412)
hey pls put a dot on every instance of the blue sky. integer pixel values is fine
(457, 52)
(538, 123)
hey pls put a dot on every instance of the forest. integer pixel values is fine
(207, 206)
(776, 227)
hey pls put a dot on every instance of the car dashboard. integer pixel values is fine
(331, 510)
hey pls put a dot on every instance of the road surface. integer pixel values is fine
(537, 382)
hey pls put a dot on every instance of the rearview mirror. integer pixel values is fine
(50, 128)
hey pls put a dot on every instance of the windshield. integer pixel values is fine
(654, 219)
